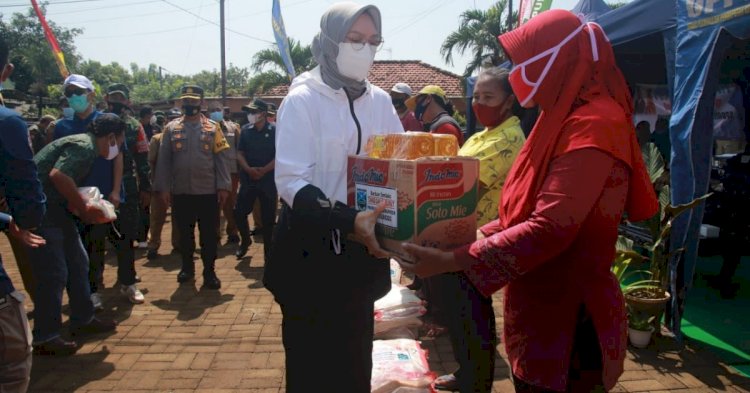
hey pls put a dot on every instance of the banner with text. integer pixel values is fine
(529, 8)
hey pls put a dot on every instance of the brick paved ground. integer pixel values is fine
(187, 340)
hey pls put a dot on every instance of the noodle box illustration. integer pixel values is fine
(430, 201)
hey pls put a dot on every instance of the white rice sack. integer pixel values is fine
(400, 363)
(410, 332)
(94, 197)
(398, 297)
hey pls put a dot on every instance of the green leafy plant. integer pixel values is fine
(640, 321)
(654, 281)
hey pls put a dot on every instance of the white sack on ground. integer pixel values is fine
(400, 364)
(397, 314)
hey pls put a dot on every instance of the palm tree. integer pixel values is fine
(270, 67)
(478, 32)
(615, 5)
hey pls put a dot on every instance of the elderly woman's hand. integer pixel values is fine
(364, 231)
(429, 261)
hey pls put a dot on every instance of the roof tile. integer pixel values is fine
(415, 73)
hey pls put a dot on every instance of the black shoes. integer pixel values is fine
(56, 347)
(210, 280)
(242, 249)
(151, 255)
(185, 276)
(95, 326)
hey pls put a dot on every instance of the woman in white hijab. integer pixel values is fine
(329, 113)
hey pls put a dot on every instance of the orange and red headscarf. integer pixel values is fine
(582, 70)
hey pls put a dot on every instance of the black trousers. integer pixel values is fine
(470, 320)
(94, 240)
(585, 373)
(145, 224)
(244, 206)
(121, 234)
(328, 348)
(186, 211)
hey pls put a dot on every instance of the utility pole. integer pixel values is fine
(510, 15)
(223, 57)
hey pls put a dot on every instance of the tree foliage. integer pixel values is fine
(271, 69)
(36, 72)
(477, 33)
(31, 54)
(615, 5)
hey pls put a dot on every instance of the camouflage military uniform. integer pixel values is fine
(135, 176)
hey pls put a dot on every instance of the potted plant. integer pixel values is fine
(648, 295)
(640, 329)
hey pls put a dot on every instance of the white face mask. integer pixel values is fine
(114, 150)
(523, 88)
(252, 118)
(355, 64)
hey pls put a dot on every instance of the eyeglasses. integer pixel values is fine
(358, 42)
(77, 91)
(358, 45)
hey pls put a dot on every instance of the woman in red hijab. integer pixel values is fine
(552, 247)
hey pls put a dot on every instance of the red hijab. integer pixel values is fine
(574, 79)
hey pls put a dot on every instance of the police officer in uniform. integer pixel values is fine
(193, 167)
(256, 155)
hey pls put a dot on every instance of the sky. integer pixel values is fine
(182, 36)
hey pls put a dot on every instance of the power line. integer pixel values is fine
(124, 16)
(422, 15)
(120, 5)
(78, 11)
(216, 24)
(140, 34)
(50, 3)
(190, 45)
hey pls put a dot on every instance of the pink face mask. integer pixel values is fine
(523, 88)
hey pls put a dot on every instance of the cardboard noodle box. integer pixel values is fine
(430, 201)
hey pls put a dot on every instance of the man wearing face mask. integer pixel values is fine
(106, 174)
(231, 132)
(137, 195)
(256, 157)
(193, 167)
(432, 107)
(400, 92)
(62, 263)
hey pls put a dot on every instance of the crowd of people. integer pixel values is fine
(548, 207)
